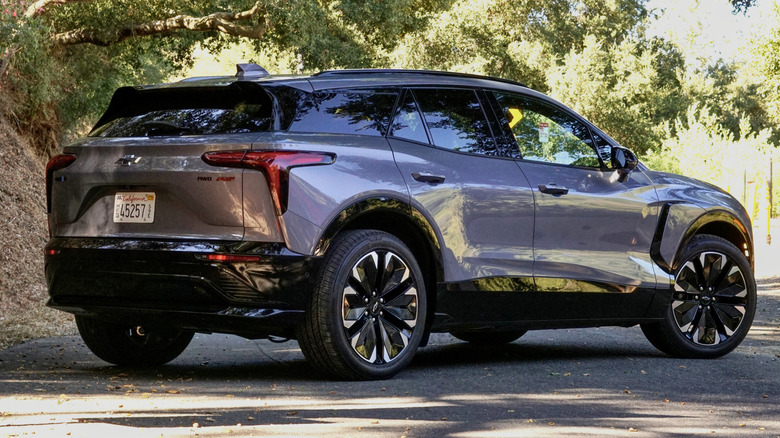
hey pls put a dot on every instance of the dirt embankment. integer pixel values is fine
(23, 314)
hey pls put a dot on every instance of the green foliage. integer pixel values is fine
(765, 60)
(620, 88)
(520, 40)
(703, 148)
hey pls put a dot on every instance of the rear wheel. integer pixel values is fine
(366, 317)
(489, 338)
(712, 305)
(132, 345)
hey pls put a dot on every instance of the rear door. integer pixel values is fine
(460, 178)
(592, 233)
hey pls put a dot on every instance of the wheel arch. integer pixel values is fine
(721, 223)
(402, 220)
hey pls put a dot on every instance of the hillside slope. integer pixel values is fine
(23, 314)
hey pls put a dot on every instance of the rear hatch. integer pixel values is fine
(140, 173)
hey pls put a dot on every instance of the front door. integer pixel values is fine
(592, 233)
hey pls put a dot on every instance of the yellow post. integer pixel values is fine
(750, 202)
(766, 210)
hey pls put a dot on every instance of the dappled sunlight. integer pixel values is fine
(520, 414)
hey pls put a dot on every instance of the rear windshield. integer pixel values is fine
(188, 111)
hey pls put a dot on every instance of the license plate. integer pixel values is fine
(134, 207)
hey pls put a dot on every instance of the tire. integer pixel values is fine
(362, 323)
(489, 338)
(712, 305)
(132, 346)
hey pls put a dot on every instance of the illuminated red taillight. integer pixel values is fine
(232, 258)
(275, 165)
(56, 163)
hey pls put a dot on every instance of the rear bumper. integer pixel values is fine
(147, 282)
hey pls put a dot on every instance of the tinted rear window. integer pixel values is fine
(365, 112)
(183, 111)
(456, 121)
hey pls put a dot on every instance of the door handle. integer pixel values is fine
(553, 189)
(427, 177)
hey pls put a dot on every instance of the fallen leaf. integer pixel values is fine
(173, 391)
(292, 413)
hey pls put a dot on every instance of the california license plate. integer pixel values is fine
(134, 207)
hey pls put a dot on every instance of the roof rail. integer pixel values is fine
(251, 71)
(347, 72)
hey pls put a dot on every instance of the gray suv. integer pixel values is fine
(358, 211)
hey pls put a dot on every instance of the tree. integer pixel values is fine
(628, 89)
(64, 57)
(765, 64)
(518, 40)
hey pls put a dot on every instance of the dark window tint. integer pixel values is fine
(456, 121)
(186, 111)
(189, 121)
(364, 112)
(408, 123)
(545, 133)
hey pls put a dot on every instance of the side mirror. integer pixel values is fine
(623, 161)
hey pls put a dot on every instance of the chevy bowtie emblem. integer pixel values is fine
(127, 160)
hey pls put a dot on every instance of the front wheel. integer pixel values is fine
(132, 345)
(366, 316)
(712, 304)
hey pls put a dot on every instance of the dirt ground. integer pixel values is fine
(23, 223)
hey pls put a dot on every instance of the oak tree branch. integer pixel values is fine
(219, 21)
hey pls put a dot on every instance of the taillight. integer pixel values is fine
(275, 165)
(232, 258)
(56, 163)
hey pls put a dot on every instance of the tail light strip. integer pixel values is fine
(275, 165)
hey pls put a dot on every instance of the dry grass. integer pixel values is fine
(23, 294)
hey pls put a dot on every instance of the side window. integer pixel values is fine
(456, 121)
(408, 123)
(365, 112)
(544, 133)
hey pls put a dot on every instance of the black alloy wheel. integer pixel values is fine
(712, 304)
(367, 314)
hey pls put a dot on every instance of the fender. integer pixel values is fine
(356, 213)
(679, 222)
